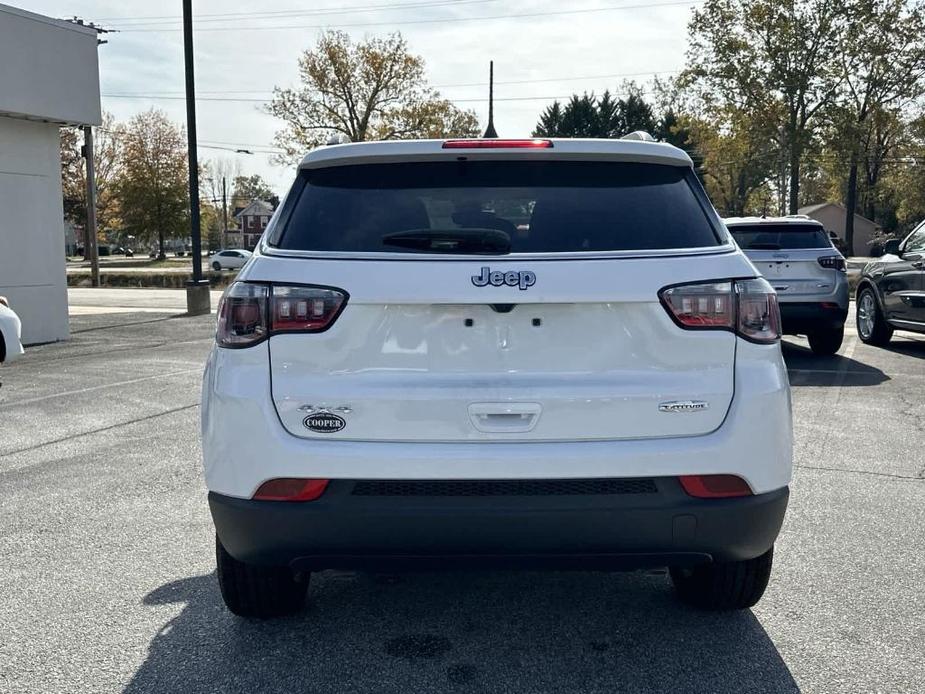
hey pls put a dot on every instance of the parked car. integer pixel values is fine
(10, 332)
(891, 291)
(795, 254)
(230, 259)
(402, 377)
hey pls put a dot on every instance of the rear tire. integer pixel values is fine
(256, 591)
(872, 326)
(827, 341)
(734, 585)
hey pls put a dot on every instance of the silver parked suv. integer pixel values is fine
(796, 255)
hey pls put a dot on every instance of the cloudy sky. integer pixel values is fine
(543, 49)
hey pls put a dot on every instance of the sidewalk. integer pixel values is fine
(106, 300)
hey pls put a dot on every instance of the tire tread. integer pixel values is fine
(733, 585)
(826, 342)
(249, 590)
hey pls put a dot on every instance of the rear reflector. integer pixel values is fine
(290, 489)
(715, 486)
(497, 144)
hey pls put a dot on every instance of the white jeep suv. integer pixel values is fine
(496, 352)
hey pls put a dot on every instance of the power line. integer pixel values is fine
(446, 20)
(220, 16)
(263, 101)
(435, 86)
(212, 144)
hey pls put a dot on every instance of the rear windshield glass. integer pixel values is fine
(774, 237)
(496, 208)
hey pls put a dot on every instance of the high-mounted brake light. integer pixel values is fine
(495, 143)
(249, 313)
(290, 489)
(714, 486)
(747, 307)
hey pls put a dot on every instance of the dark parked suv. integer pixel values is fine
(891, 293)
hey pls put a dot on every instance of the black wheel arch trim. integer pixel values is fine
(867, 283)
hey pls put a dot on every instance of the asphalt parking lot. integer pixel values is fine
(106, 554)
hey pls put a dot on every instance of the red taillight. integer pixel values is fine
(714, 486)
(304, 309)
(495, 143)
(242, 319)
(758, 312)
(834, 262)
(701, 305)
(249, 313)
(747, 307)
(290, 489)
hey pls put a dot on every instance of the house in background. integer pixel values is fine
(832, 216)
(252, 221)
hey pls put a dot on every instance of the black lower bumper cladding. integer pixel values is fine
(596, 523)
(802, 318)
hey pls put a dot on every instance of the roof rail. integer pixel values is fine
(640, 135)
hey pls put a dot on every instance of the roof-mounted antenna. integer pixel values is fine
(490, 130)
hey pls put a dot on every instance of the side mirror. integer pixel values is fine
(891, 247)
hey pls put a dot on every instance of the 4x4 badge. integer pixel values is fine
(512, 278)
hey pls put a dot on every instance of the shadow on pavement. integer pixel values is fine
(912, 347)
(462, 632)
(808, 369)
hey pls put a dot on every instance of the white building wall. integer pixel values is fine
(49, 69)
(32, 274)
(49, 76)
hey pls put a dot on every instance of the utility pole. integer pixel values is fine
(91, 250)
(224, 214)
(490, 129)
(198, 299)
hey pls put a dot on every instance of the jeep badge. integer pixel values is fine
(513, 278)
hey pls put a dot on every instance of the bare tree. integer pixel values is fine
(371, 90)
(107, 161)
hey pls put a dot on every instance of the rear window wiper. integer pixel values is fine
(475, 241)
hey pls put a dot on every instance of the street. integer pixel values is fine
(107, 551)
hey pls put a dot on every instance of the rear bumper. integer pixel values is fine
(800, 318)
(614, 530)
